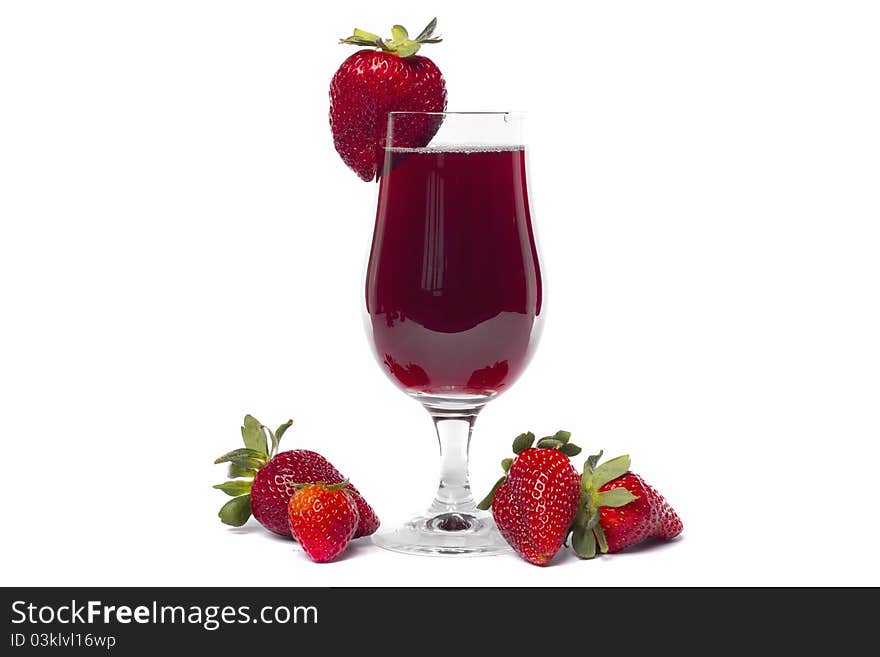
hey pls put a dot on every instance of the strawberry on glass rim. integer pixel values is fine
(387, 76)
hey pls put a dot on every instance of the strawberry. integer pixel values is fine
(617, 509)
(535, 502)
(262, 481)
(372, 83)
(275, 482)
(323, 518)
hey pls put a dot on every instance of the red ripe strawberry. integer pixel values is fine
(369, 521)
(535, 503)
(372, 83)
(618, 509)
(323, 519)
(275, 483)
(274, 477)
(648, 516)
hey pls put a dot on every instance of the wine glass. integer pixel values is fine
(453, 295)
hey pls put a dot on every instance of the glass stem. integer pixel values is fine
(454, 434)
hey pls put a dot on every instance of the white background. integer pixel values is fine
(180, 245)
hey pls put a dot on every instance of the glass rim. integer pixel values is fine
(475, 113)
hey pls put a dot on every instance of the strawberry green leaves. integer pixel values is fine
(256, 452)
(236, 487)
(363, 38)
(583, 542)
(486, 503)
(567, 448)
(426, 34)
(244, 462)
(276, 436)
(523, 441)
(400, 44)
(240, 471)
(366, 36)
(599, 533)
(615, 497)
(610, 470)
(254, 435)
(407, 49)
(398, 34)
(559, 441)
(587, 534)
(570, 449)
(562, 436)
(244, 457)
(236, 511)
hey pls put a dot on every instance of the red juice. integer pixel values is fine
(453, 287)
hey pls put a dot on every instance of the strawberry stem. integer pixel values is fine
(586, 531)
(399, 44)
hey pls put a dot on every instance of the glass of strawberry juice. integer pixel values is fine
(454, 299)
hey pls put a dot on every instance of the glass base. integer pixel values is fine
(452, 526)
(458, 534)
